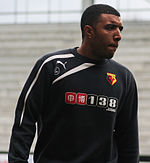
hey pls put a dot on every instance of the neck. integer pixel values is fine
(86, 50)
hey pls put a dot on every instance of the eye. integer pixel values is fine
(111, 27)
(121, 28)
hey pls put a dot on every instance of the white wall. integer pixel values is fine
(46, 10)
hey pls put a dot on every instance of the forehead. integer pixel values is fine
(110, 18)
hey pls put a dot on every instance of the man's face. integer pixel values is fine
(106, 36)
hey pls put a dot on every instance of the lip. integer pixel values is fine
(113, 45)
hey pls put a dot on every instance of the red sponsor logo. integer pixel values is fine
(101, 101)
(70, 98)
(81, 98)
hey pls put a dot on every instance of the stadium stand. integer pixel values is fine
(22, 45)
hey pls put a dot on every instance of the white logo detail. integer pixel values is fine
(57, 70)
(63, 64)
(82, 99)
(70, 98)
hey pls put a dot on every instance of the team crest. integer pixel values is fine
(111, 78)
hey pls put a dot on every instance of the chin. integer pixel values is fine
(109, 56)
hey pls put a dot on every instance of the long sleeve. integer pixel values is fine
(127, 125)
(27, 113)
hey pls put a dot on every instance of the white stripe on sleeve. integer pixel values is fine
(74, 70)
(36, 77)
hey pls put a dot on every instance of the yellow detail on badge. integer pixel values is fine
(111, 78)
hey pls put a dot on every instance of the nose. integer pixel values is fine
(117, 35)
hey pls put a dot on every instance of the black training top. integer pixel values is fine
(85, 110)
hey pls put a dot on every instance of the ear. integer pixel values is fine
(88, 30)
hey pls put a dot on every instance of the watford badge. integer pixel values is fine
(111, 78)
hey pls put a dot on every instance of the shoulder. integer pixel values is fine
(66, 53)
(49, 57)
(125, 75)
(121, 68)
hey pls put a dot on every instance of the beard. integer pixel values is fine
(105, 56)
(109, 55)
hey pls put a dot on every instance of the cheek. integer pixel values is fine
(102, 43)
(100, 40)
(103, 38)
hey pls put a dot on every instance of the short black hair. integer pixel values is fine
(91, 15)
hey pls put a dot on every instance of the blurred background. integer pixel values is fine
(32, 28)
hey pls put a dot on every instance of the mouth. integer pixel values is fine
(113, 45)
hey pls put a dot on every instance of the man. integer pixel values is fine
(84, 103)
